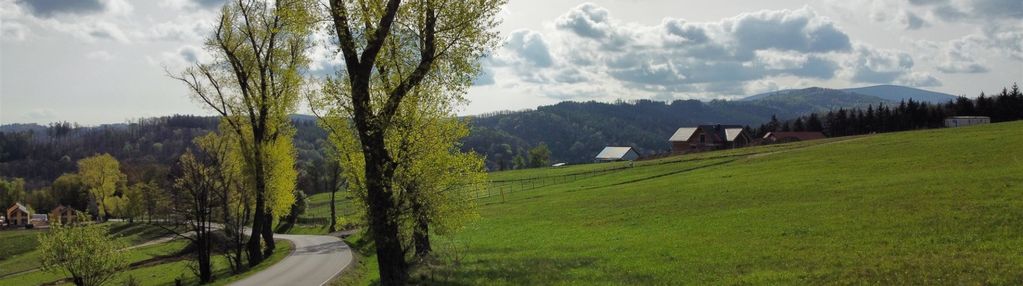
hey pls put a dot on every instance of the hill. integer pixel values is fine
(936, 206)
(576, 131)
(817, 99)
(859, 97)
(896, 93)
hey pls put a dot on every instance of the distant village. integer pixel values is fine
(712, 137)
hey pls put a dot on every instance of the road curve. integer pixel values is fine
(314, 261)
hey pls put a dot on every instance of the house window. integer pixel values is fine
(703, 138)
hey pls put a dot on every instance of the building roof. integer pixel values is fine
(18, 206)
(732, 133)
(723, 132)
(802, 136)
(682, 134)
(614, 153)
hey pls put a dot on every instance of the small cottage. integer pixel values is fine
(610, 154)
(62, 214)
(708, 137)
(18, 215)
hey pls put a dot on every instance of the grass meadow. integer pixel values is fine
(924, 207)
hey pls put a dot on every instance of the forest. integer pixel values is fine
(906, 115)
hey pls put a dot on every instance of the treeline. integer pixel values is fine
(574, 132)
(146, 149)
(907, 115)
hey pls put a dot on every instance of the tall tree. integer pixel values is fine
(389, 49)
(102, 173)
(253, 84)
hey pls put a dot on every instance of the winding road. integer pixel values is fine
(315, 260)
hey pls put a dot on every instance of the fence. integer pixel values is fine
(504, 187)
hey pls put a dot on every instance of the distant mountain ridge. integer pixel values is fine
(874, 94)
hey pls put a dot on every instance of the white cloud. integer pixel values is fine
(589, 45)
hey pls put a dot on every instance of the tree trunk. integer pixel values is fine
(383, 222)
(268, 234)
(252, 246)
(259, 221)
(203, 251)
(421, 236)
(333, 194)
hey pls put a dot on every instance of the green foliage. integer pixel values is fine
(69, 190)
(11, 192)
(86, 254)
(901, 208)
(540, 156)
(102, 174)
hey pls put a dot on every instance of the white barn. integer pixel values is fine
(617, 154)
(961, 121)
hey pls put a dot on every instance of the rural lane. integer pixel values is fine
(315, 260)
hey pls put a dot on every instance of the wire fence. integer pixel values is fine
(503, 188)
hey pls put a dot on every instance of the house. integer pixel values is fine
(708, 137)
(782, 137)
(617, 154)
(63, 214)
(18, 215)
(961, 121)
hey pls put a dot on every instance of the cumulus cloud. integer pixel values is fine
(973, 10)
(870, 65)
(790, 30)
(676, 55)
(531, 47)
(918, 79)
(911, 21)
(961, 56)
(192, 4)
(50, 8)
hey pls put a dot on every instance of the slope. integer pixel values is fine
(922, 207)
(896, 93)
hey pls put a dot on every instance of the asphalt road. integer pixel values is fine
(315, 260)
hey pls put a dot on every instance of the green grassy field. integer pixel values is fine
(927, 207)
(163, 262)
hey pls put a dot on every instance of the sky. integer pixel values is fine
(105, 61)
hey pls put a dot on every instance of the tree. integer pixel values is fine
(253, 84)
(69, 190)
(520, 162)
(102, 174)
(439, 42)
(333, 185)
(84, 253)
(11, 192)
(539, 156)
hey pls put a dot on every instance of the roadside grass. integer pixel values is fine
(364, 270)
(170, 266)
(167, 273)
(924, 207)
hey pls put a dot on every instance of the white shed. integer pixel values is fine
(617, 154)
(960, 121)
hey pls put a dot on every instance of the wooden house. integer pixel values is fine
(708, 137)
(62, 214)
(18, 215)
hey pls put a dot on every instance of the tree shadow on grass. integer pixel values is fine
(501, 268)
